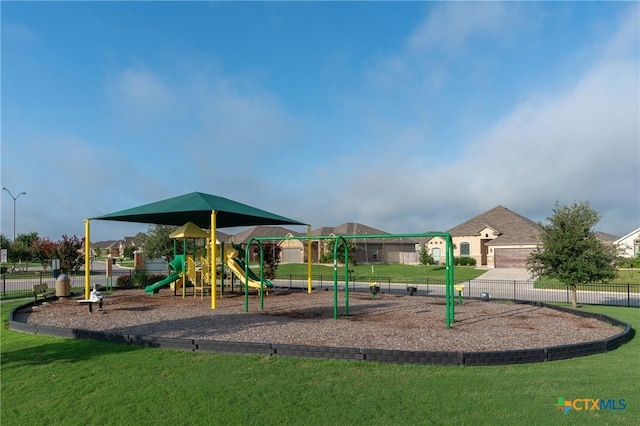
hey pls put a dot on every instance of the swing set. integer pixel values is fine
(449, 268)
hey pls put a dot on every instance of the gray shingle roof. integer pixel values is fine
(351, 228)
(260, 231)
(511, 227)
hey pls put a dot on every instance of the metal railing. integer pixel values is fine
(592, 294)
(20, 284)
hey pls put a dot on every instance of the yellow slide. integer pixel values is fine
(234, 265)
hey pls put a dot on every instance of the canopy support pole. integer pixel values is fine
(309, 259)
(87, 259)
(214, 267)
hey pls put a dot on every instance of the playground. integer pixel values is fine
(389, 322)
(360, 323)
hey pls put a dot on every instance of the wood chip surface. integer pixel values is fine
(389, 322)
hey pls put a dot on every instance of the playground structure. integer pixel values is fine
(184, 269)
(207, 212)
(191, 269)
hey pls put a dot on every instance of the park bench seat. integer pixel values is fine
(42, 291)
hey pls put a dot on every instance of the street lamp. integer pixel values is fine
(14, 209)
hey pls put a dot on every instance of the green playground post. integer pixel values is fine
(449, 266)
(335, 277)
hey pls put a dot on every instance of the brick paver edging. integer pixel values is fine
(519, 356)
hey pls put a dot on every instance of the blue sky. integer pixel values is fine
(408, 116)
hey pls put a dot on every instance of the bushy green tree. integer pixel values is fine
(128, 252)
(570, 252)
(329, 247)
(425, 257)
(70, 254)
(157, 242)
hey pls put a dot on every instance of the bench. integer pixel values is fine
(90, 303)
(41, 291)
(94, 297)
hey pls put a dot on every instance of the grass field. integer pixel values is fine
(393, 272)
(47, 380)
(625, 276)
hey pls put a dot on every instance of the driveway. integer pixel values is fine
(505, 274)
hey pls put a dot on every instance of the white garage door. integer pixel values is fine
(291, 255)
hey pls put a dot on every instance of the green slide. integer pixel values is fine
(155, 288)
(175, 266)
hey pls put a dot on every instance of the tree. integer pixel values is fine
(271, 260)
(425, 257)
(21, 247)
(43, 250)
(70, 254)
(570, 252)
(157, 243)
(128, 252)
(329, 246)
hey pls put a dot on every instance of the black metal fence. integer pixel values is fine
(592, 294)
(20, 284)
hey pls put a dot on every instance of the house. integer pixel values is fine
(498, 238)
(629, 244)
(242, 238)
(367, 250)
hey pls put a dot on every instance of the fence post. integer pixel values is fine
(514, 290)
(628, 295)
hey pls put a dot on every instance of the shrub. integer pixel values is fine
(628, 262)
(124, 281)
(464, 261)
(134, 281)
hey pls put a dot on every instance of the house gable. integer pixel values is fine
(629, 244)
(497, 229)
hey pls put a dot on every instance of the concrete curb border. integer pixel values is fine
(519, 356)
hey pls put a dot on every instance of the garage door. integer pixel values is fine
(291, 255)
(512, 258)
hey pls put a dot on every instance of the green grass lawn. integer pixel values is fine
(47, 380)
(382, 272)
(625, 276)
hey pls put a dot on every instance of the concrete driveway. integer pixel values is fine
(505, 274)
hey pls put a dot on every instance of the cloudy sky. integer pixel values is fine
(408, 117)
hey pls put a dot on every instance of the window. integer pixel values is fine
(374, 253)
(435, 253)
(465, 250)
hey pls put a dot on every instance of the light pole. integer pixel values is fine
(14, 209)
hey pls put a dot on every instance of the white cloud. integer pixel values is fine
(452, 24)
(141, 95)
(578, 143)
(16, 34)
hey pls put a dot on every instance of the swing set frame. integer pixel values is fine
(449, 267)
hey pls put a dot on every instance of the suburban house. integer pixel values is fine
(629, 244)
(242, 238)
(498, 238)
(369, 250)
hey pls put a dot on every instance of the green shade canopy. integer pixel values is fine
(196, 207)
